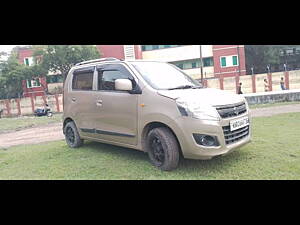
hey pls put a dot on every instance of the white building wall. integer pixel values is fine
(183, 53)
(196, 73)
(178, 53)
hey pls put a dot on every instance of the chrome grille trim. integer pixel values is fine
(234, 136)
(232, 111)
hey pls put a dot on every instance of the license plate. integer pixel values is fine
(239, 123)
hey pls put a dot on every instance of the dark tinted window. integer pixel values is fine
(83, 81)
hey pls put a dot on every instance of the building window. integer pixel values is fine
(33, 83)
(155, 47)
(223, 61)
(193, 63)
(54, 79)
(234, 61)
(227, 61)
(180, 66)
(28, 61)
(208, 62)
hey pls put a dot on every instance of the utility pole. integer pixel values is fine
(201, 64)
(238, 52)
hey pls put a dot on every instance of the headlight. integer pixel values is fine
(195, 110)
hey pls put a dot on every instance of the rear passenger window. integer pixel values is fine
(83, 81)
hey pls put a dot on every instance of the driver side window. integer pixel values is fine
(107, 77)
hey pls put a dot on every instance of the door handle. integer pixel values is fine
(73, 99)
(99, 102)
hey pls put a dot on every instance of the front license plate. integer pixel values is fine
(240, 123)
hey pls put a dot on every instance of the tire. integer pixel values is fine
(163, 149)
(72, 136)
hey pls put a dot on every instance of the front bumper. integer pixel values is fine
(192, 150)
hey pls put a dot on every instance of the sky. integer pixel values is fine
(7, 48)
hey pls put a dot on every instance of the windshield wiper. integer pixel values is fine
(182, 87)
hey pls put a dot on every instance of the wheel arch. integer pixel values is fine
(67, 120)
(155, 124)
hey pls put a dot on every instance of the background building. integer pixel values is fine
(218, 60)
(37, 87)
(34, 87)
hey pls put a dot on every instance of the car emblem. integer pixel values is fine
(236, 112)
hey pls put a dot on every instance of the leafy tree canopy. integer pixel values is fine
(259, 56)
(61, 58)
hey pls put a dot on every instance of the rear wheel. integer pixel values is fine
(163, 148)
(72, 136)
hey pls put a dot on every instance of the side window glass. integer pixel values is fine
(107, 77)
(83, 81)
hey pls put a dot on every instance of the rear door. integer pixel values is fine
(116, 117)
(81, 100)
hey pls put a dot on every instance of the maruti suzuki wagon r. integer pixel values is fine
(153, 107)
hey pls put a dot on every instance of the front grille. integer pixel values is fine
(234, 136)
(232, 111)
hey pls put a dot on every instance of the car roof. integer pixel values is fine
(102, 61)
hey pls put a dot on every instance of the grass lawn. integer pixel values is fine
(272, 104)
(274, 153)
(17, 123)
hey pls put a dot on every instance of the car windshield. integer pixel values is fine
(164, 76)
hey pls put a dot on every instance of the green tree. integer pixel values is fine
(260, 56)
(61, 58)
(11, 75)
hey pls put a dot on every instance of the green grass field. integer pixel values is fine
(17, 123)
(274, 153)
(273, 104)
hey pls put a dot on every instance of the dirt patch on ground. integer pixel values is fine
(274, 110)
(50, 132)
(53, 132)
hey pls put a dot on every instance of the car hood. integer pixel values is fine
(207, 96)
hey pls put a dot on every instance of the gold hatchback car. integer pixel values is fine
(153, 107)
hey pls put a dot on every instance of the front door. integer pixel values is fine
(116, 119)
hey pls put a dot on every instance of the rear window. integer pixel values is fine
(83, 81)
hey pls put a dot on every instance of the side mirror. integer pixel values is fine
(123, 85)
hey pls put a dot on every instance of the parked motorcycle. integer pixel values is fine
(44, 112)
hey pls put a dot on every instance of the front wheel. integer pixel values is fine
(163, 148)
(72, 136)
